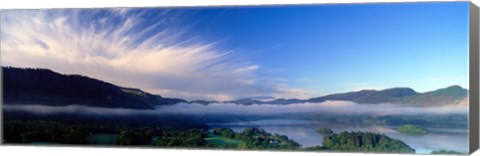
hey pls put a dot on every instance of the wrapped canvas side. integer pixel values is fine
(474, 78)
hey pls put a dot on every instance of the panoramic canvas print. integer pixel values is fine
(370, 78)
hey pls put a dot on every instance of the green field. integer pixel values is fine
(221, 141)
(102, 139)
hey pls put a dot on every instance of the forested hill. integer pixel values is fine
(46, 87)
(405, 96)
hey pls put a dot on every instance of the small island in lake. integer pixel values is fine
(445, 152)
(362, 141)
(412, 130)
(325, 131)
(251, 138)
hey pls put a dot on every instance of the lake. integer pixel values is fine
(303, 132)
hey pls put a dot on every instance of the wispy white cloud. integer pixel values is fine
(123, 47)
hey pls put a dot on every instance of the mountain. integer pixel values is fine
(369, 96)
(285, 101)
(405, 96)
(246, 101)
(203, 102)
(445, 96)
(46, 87)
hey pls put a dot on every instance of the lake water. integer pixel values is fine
(304, 133)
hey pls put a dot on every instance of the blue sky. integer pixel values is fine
(233, 52)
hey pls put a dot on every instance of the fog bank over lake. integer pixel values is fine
(328, 107)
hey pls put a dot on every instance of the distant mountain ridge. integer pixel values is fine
(369, 96)
(444, 96)
(405, 96)
(46, 87)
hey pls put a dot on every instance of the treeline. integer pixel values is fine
(256, 138)
(430, 120)
(451, 121)
(44, 131)
(31, 131)
(325, 131)
(189, 138)
(412, 129)
(446, 152)
(36, 131)
(163, 138)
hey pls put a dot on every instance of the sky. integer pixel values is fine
(225, 53)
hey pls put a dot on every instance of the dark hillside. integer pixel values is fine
(46, 87)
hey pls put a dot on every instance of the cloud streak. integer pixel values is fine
(130, 48)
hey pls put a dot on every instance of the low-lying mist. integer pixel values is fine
(328, 107)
